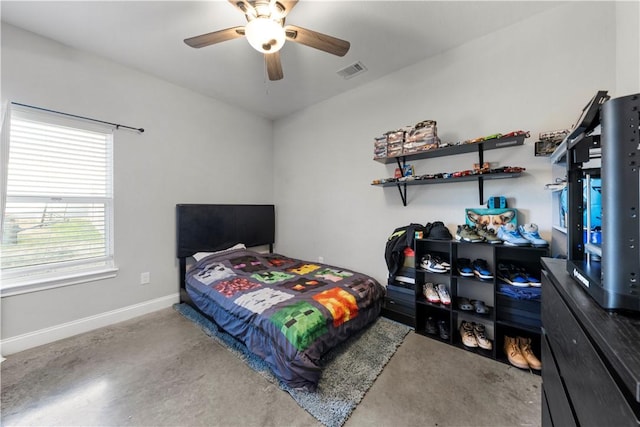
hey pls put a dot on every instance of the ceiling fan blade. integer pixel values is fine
(274, 66)
(215, 37)
(287, 5)
(317, 40)
(243, 6)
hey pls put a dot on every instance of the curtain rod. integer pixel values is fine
(117, 126)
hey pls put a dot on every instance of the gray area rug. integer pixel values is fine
(347, 371)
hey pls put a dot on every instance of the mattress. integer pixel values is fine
(287, 311)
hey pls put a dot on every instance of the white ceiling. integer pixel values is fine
(148, 35)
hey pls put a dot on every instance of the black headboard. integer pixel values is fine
(208, 228)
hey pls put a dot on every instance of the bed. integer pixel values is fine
(287, 311)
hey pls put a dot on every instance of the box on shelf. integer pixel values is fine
(421, 137)
(549, 141)
(380, 147)
(395, 136)
(394, 149)
(430, 143)
(421, 134)
(491, 218)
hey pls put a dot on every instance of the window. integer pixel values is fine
(57, 201)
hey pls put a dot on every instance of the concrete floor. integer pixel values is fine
(162, 370)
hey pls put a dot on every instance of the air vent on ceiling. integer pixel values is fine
(352, 70)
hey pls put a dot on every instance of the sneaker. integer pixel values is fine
(514, 355)
(481, 338)
(443, 329)
(437, 231)
(530, 232)
(430, 263)
(445, 298)
(467, 335)
(443, 263)
(464, 267)
(481, 269)
(488, 235)
(509, 234)
(534, 282)
(430, 293)
(431, 326)
(467, 234)
(509, 274)
(530, 278)
(525, 348)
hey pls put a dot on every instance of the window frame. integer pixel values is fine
(48, 276)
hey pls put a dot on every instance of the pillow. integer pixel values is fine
(190, 262)
(199, 255)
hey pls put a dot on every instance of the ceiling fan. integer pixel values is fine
(266, 32)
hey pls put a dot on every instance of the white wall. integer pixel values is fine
(194, 150)
(627, 47)
(536, 75)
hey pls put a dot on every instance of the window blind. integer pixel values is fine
(58, 205)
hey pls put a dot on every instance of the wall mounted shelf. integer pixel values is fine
(453, 150)
(402, 186)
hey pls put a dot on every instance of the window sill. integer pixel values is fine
(40, 283)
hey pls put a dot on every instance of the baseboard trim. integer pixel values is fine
(65, 330)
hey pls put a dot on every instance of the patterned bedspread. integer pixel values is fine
(287, 311)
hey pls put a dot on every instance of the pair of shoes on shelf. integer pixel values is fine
(530, 232)
(434, 264)
(520, 354)
(523, 235)
(437, 327)
(472, 305)
(487, 234)
(464, 267)
(510, 235)
(436, 293)
(473, 335)
(517, 275)
(479, 306)
(478, 267)
(477, 234)
(465, 233)
(431, 326)
(481, 269)
(464, 304)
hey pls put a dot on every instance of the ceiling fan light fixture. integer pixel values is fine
(265, 35)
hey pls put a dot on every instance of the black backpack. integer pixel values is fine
(401, 238)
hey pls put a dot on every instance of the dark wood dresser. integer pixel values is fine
(590, 357)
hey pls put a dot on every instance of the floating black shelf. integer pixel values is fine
(485, 176)
(452, 150)
(402, 186)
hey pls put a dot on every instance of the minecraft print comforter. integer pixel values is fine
(287, 311)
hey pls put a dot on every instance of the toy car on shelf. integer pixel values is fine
(494, 136)
(516, 133)
(427, 176)
(473, 141)
(513, 169)
(458, 174)
(508, 169)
